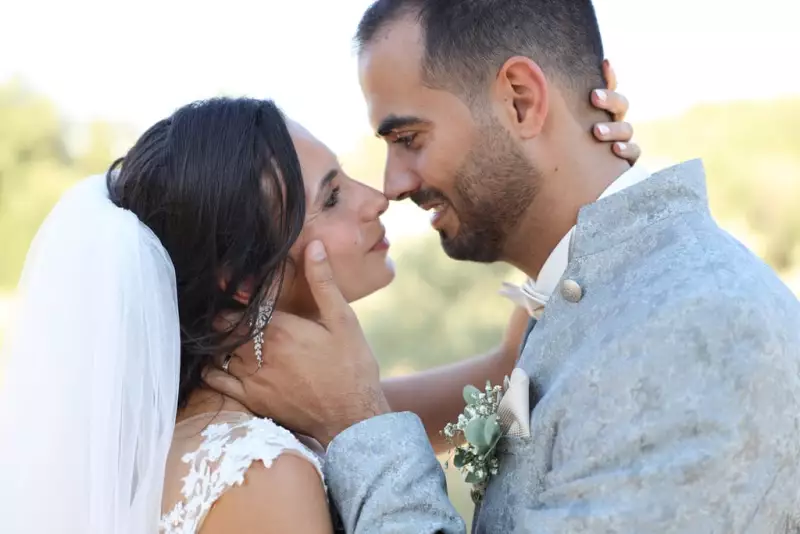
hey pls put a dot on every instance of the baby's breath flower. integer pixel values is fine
(478, 425)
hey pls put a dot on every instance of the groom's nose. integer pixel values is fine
(399, 181)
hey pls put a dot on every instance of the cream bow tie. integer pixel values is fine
(513, 412)
(525, 296)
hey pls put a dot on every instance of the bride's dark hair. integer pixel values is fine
(219, 183)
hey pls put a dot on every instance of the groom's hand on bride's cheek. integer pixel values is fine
(318, 378)
(618, 133)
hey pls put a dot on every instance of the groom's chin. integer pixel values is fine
(469, 248)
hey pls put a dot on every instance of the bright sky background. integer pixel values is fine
(134, 61)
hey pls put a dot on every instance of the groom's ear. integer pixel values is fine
(521, 90)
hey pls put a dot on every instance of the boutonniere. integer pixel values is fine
(478, 432)
(488, 416)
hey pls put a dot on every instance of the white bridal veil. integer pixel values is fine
(89, 387)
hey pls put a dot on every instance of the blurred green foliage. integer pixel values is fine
(751, 152)
(40, 156)
(437, 310)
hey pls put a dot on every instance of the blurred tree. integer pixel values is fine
(30, 136)
(36, 165)
(99, 147)
(437, 310)
(751, 152)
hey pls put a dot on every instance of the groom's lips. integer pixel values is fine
(438, 210)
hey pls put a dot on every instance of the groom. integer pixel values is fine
(665, 369)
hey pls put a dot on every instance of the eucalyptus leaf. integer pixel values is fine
(476, 433)
(492, 430)
(471, 394)
(459, 459)
(472, 478)
(487, 451)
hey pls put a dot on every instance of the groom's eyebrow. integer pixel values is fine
(393, 122)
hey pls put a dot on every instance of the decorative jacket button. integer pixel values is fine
(571, 291)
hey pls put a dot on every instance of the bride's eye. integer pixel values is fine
(333, 198)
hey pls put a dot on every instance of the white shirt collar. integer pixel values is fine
(534, 294)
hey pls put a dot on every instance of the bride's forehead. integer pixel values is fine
(297, 130)
(310, 150)
(302, 137)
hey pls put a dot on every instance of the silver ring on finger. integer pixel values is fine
(226, 363)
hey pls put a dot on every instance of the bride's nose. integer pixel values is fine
(375, 204)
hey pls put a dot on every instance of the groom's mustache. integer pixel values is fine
(426, 197)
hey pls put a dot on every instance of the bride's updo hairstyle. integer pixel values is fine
(219, 183)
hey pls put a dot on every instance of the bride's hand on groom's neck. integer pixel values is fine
(617, 133)
(318, 378)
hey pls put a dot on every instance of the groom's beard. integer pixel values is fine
(494, 188)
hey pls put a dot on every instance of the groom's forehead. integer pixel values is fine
(403, 34)
(394, 55)
(390, 73)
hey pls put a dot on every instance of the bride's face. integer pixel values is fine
(345, 215)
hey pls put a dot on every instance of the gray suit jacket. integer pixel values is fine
(665, 399)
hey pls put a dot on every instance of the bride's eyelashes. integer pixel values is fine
(333, 198)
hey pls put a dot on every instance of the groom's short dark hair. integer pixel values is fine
(466, 41)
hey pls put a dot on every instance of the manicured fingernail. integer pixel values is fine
(601, 95)
(316, 250)
(621, 146)
(603, 130)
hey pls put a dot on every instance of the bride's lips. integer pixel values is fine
(381, 244)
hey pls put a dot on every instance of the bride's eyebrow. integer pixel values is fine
(325, 184)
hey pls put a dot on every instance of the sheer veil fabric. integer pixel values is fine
(90, 384)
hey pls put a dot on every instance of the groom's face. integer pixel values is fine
(462, 166)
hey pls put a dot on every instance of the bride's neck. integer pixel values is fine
(305, 308)
(203, 400)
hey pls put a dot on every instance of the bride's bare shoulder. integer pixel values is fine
(285, 497)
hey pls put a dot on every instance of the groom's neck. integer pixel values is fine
(573, 180)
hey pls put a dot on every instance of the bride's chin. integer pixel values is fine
(375, 282)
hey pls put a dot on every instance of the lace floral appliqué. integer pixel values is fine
(221, 461)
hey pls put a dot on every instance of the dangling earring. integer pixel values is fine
(264, 315)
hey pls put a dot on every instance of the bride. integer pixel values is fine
(139, 282)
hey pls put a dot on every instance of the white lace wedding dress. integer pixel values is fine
(210, 454)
